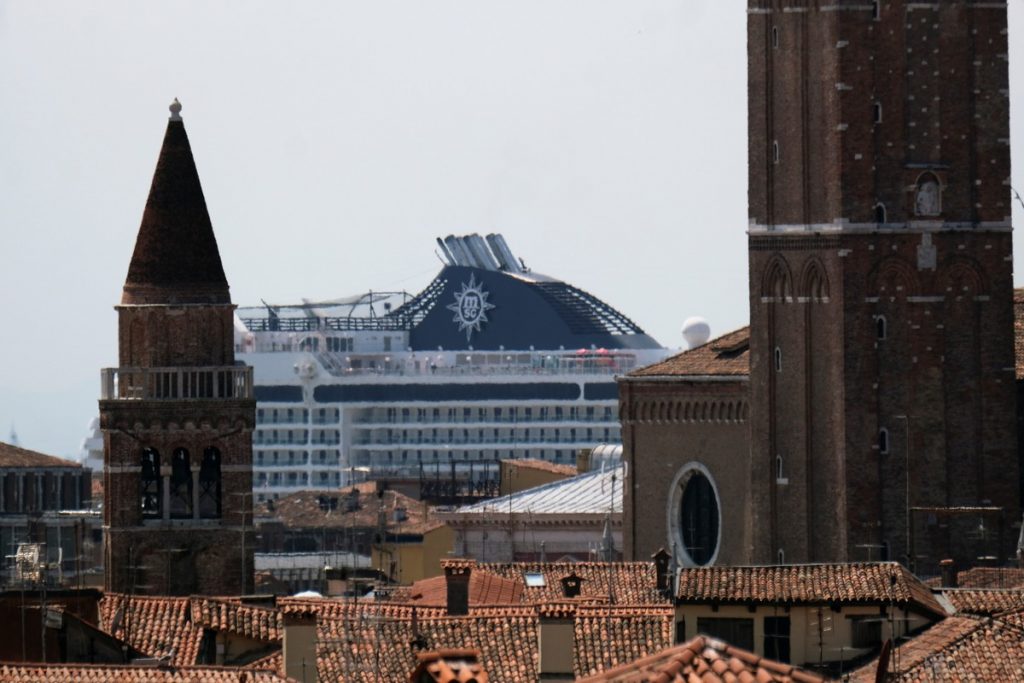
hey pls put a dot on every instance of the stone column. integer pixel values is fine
(165, 485)
(195, 491)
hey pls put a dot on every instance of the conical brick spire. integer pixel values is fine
(176, 260)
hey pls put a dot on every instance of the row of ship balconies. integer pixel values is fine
(266, 416)
(606, 435)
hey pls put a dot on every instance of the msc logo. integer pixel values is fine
(470, 307)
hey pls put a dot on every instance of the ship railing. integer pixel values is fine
(521, 422)
(175, 384)
(339, 370)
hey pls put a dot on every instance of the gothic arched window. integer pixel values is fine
(209, 484)
(149, 484)
(181, 485)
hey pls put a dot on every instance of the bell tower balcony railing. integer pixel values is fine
(176, 384)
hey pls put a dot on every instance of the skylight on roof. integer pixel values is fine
(534, 579)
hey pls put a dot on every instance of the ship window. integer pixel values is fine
(883, 441)
(149, 484)
(181, 485)
(876, 112)
(209, 484)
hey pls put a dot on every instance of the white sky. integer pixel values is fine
(335, 140)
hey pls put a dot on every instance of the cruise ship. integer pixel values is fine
(490, 361)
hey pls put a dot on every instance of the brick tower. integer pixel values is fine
(882, 362)
(178, 414)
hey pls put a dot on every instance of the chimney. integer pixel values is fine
(661, 561)
(300, 646)
(456, 577)
(583, 460)
(556, 644)
(948, 570)
(337, 581)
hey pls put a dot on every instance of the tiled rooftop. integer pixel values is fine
(985, 601)
(958, 648)
(592, 493)
(727, 355)
(109, 673)
(358, 647)
(157, 626)
(485, 588)
(623, 583)
(173, 626)
(984, 577)
(14, 456)
(303, 510)
(449, 666)
(704, 660)
(813, 583)
(545, 466)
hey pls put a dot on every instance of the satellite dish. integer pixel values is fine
(696, 331)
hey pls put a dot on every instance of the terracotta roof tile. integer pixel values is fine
(984, 577)
(13, 456)
(485, 588)
(449, 666)
(545, 466)
(258, 623)
(303, 510)
(628, 583)
(359, 640)
(157, 626)
(958, 649)
(109, 673)
(703, 659)
(810, 583)
(607, 638)
(986, 601)
(726, 355)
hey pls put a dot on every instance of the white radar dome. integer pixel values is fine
(696, 331)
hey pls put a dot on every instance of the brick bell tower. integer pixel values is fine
(178, 414)
(880, 253)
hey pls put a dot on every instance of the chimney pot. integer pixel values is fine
(947, 568)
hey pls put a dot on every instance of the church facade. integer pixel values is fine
(177, 414)
(879, 386)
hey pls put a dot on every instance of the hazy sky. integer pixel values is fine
(335, 140)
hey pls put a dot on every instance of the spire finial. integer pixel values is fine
(175, 110)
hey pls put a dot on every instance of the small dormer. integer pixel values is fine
(571, 585)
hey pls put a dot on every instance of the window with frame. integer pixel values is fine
(737, 632)
(866, 631)
(776, 638)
